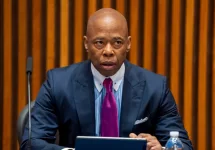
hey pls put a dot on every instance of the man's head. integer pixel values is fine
(107, 41)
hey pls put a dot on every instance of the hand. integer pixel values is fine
(152, 142)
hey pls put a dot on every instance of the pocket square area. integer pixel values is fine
(141, 121)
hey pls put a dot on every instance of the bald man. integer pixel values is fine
(105, 95)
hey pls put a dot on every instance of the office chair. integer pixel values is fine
(23, 119)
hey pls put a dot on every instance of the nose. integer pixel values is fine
(108, 51)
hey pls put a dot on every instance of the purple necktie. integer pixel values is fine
(109, 117)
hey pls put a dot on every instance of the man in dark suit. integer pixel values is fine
(104, 96)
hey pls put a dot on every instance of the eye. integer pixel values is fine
(99, 44)
(117, 44)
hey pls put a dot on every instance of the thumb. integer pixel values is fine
(132, 135)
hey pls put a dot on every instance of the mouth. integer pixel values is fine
(108, 65)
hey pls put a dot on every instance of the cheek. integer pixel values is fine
(92, 51)
(120, 54)
(94, 54)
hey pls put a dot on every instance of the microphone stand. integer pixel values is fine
(29, 111)
(29, 71)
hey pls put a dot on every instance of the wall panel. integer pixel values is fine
(148, 34)
(78, 34)
(91, 7)
(213, 79)
(64, 27)
(172, 38)
(120, 6)
(134, 19)
(202, 75)
(188, 65)
(50, 35)
(161, 36)
(22, 54)
(36, 46)
(7, 76)
(175, 49)
(106, 3)
(1, 70)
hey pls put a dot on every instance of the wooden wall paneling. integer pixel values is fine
(64, 33)
(22, 54)
(106, 3)
(210, 57)
(57, 32)
(14, 72)
(1, 71)
(43, 39)
(79, 33)
(134, 31)
(202, 75)
(91, 7)
(188, 65)
(155, 18)
(213, 83)
(175, 50)
(50, 35)
(161, 37)
(7, 76)
(120, 6)
(36, 47)
(148, 33)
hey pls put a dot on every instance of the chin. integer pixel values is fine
(109, 73)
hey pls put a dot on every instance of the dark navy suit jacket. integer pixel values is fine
(66, 103)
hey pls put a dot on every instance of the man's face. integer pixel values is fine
(107, 44)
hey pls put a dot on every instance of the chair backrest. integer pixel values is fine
(22, 120)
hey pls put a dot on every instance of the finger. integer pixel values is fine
(143, 135)
(149, 145)
(157, 147)
(132, 135)
(151, 138)
(152, 144)
(148, 137)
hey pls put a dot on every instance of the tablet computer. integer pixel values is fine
(109, 143)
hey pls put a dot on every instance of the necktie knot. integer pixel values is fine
(108, 83)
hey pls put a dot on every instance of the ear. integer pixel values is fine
(129, 44)
(85, 43)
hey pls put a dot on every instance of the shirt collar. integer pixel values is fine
(116, 78)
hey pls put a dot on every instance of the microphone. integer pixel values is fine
(29, 72)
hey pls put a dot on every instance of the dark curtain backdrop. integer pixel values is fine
(175, 38)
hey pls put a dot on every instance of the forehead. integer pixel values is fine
(107, 27)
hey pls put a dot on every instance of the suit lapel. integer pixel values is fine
(133, 89)
(84, 99)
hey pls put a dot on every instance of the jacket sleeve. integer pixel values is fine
(170, 120)
(44, 120)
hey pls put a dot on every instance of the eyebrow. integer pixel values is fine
(114, 38)
(118, 38)
(103, 37)
(98, 38)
